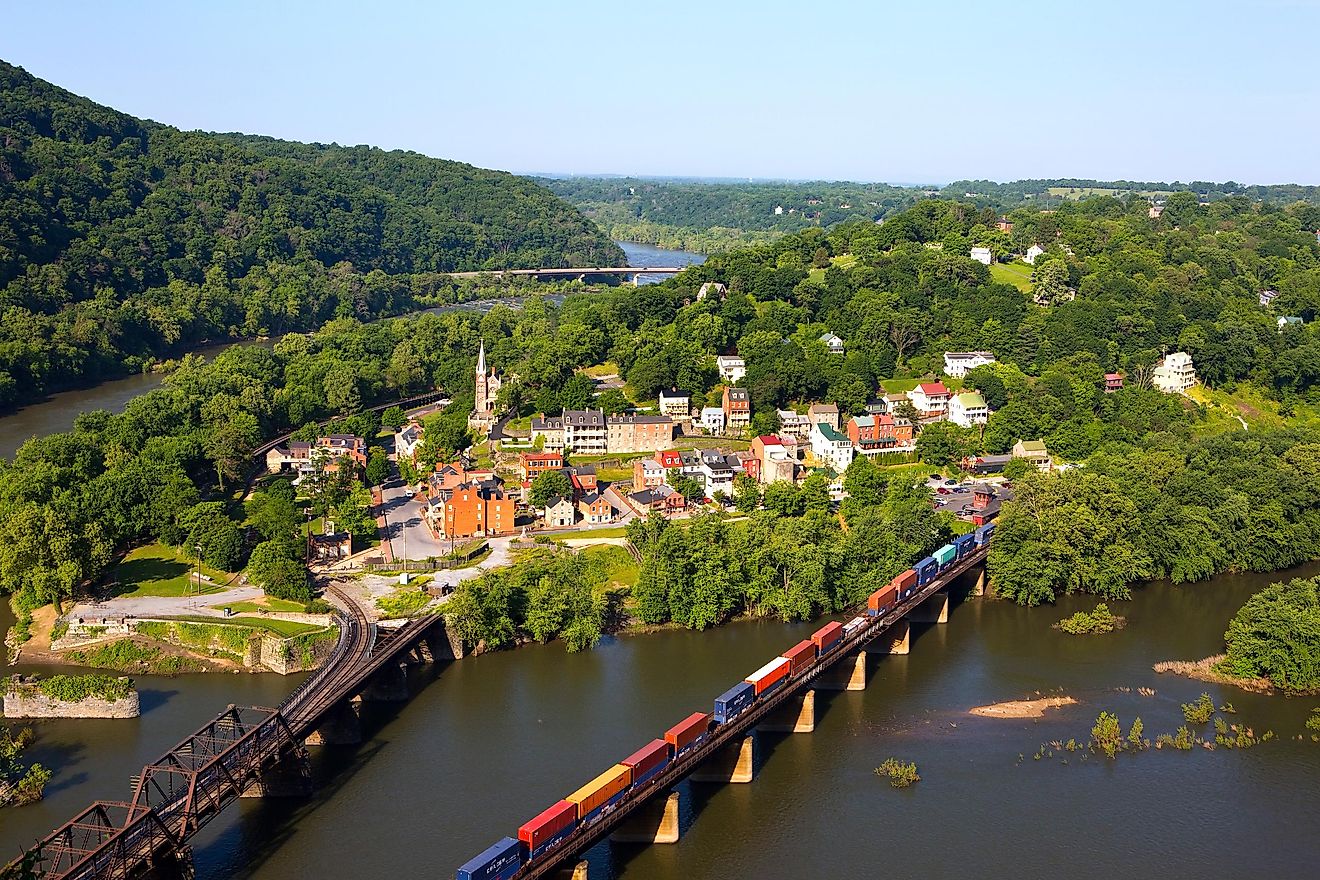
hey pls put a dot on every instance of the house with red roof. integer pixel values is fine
(931, 399)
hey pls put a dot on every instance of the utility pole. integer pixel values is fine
(198, 548)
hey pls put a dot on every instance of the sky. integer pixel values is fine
(924, 91)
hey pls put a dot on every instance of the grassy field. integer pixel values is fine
(1246, 404)
(711, 443)
(620, 568)
(1084, 192)
(899, 386)
(609, 368)
(1016, 274)
(614, 532)
(158, 570)
(283, 628)
(267, 603)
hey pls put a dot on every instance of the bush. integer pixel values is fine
(900, 774)
(1106, 735)
(318, 606)
(1200, 711)
(1101, 620)
(77, 688)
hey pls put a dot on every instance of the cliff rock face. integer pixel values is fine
(26, 701)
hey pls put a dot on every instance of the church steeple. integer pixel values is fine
(481, 358)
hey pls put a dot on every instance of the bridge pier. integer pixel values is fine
(797, 716)
(849, 674)
(935, 609)
(733, 763)
(978, 586)
(341, 727)
(291, 777)
(655, 822)
(577, 872)
(896, 640)
(389, 685)
(443, 644)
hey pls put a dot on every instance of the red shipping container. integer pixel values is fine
(827, 635)
(904, 580)
(800, 656)
(884, 597)
(536, 832)
(684, 732)
(646, 759)
(768, 675)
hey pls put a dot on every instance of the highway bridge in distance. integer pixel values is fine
(580, 272)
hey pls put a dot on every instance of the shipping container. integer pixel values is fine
(965, 543)
(926, 570)
(730, 704)
(647, 761)
(800, 656)
(905, 583)
(769, 676)
(547, 829)
(601, 793)
(499, 862)
(688, 733)
(983, 534)
(946, 554)
(882, 600)
(853, 626)
(828, 636)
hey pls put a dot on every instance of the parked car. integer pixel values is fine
(950, 483)
(943, 491)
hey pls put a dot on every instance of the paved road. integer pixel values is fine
(406, 524)
(166, 606)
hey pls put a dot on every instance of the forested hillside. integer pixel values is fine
(122, 239)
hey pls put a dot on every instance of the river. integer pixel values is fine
(57, 412)
(488, 742)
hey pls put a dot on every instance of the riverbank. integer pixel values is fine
(1207, 669)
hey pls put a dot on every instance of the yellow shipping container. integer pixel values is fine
(596, 793)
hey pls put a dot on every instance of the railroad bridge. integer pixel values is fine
(579, 272)
(242, 752)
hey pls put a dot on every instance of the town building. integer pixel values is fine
(833, 449)
(532, 464)
(595, 509)
(714, 288)
(625, 434)
(931, 399)
(1289, 321)
(872, 435)
(712, 419)
(1175, 373)
(958, 363)
(1035, 452)
(475, 510)
(408, 442)
(731, 367)
(330, 547)
(826, 413)
(303, 456)
(968, 408)
(1154, 211)
(1267, 297)
(559, 512)
(794, 423)
(675, 404)
(833, 343)
(776, 463)
(982, 255)
(647, 474)
(1003, 224)
(1032, 253)
(985, 464)
(1113, 382)
(716, 472)
(485, 401)
(737, 409)
(584, 480)
(661, 498)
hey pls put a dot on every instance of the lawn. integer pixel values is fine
(609, 368)
(899, 386)
(267, 603)
(620, 568)
(613, 532)
(1227, 411)
(158, 570)
(1016, 274)
(282, 628)
(686, 442)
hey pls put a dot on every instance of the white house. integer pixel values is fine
(832, 342)
(559, 512)
(793, 423)
(1175, 374)
(982, 255)
(1032, 253)
(712, 419)
(930, 399)
(732, 368)
(408, 441)
(957, 363)
(833, 449)
(714, 287)
(675, 404)
(968, 409)
(1268, 296)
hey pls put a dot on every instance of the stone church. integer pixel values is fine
(484, 412)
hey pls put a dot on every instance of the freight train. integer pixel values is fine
(603, 794)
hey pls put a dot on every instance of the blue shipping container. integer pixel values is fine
(965, 544)
(499, 862)
(730, 704)
(926, 571)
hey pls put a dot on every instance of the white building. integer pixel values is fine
(793, 423)
(408, 441)
(1032, 253)
(732, 368)
(833, 449)
(957, 363)
(982, 255)
(968, 409)
(712, 419)
(930, 399)
(712, 287)
(1175, 374)
(675, 404)
(559, 512)
(833, 342)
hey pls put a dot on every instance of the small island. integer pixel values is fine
(71, 696)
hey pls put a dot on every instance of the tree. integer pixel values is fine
(746, 493)
(1050, 282)
(394, 418)
(690, 488)
(229, 444)
(1276, 635)
(816, 493)
(783, 498)
(273, 516)
(548, 485)
(943, 443)
(378, 467)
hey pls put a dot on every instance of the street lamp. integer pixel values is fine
(198, 548)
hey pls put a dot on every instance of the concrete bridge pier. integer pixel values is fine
(935, 609)
(389, 685)
(896, 640)
(797, 716)
(577, 872)
(655, 822)
(341, 727)
(978, 585)
(734, 763)
(849, 674)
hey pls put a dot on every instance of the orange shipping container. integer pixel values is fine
(682, 734)
(601, 790)
(827, 635)
(768, 675)
(800, 656)
(883, 598)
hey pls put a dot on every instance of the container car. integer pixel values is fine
(730, 704)
(769, 676)
(647, 761)
(983, 534)
(853, 626)
(547, 829)
(882, 600)
(800, 656)
(827, 637)
(688, 733)
(946, 554)
(926, 570)
(905, 583)
(602, 793)
(965, 544)
(498, 862)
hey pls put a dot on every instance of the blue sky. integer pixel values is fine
(909, 91)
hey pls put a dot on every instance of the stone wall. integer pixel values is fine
(25, 701)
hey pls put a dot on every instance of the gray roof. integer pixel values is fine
(586, 418)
